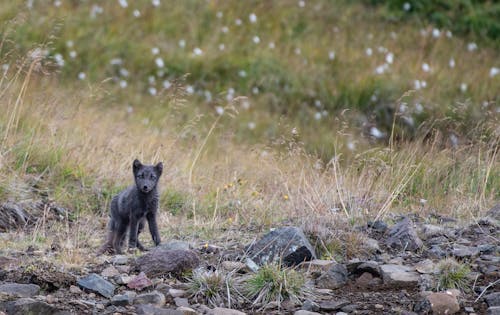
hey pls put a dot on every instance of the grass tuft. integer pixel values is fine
(452, 275)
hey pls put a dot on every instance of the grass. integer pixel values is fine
(273, 283)
(452, 275)
(266, 159)
(214, 288)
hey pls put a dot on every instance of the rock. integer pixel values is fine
(334, 278)
(360, 267)
(96, 283)
(181, 302)
(122, 300)
(109, 272)
(146, 309)
(140, 282)
(224, 311)
(403, 236)
(492, 299)
(443, 303)
(175, 245)
(287, 245)
(398, 275)
(378, 226)
(176, 293)
(120, 260)
(234, 266)
(494, 212)
(160, 262)
(13, 216)
(333, 305)
(251, 264)
(495, 310)
(155, 298)
(187, 310)
(19, 289)
(463, 251)
(304, 312)
(310, 305)
(317, 265)
(371, 245)
(429, 231)
(487, 248)
(75, 290)
(28, 306)
(425, 266)
(366, 280)
(436, 252)
(122, 279)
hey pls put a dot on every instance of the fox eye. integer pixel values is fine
(152, 176)
(141, 176)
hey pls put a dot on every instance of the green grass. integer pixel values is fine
(452, 275)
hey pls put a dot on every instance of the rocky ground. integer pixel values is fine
(401, 276)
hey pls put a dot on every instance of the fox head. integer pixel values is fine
(146, 176)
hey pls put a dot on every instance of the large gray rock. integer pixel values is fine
(333, 305)
(161, 262)
(28, 306)
(403, 236)
(19, 289)
(495, 310)
(333, 278)
(96, 283)
(463, 251)
(287, 245)
(399, 275)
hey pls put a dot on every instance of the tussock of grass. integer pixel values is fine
(273, 283)
(452, 275)
(215, 288)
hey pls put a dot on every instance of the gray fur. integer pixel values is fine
(132, 207)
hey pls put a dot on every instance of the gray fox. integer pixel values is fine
(131, 207)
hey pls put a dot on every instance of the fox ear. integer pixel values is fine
(136, 165)
(159, 168)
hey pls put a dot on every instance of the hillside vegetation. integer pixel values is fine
(262, 112)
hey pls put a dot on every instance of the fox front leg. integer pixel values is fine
(153, 227)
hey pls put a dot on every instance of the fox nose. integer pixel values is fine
(145, 187)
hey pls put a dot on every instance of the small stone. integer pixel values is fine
(371, 245)
(403, 236)
(443, 303)
(96, 283)
(334, 278)
(187, 310)
(379, 306)
(122, 279)
(50, 299)
(140, 282)
(147, 309)
(429, 231)
(378, 226)
(463, 251)
(251, 264)
(176, 293)
(123, 268)
(310, 305)
(155, 298)
(99, 306)
(224, 311)
(120, 260)
(317, 265)
(121, 300)
(109, 272)
(19, 289)
(181, 302)
(495, 310)
(333, 305)
(304, 312)
(399, 275)
(234, 266)
(492, 299)
(160, 262)
(469, 309)
(425, 266)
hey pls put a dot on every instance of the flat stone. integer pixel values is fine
(333, 278)
(310, 305)
(140, 282)
(75, 290)
(429, 231)
(492, 299)
(234, 266)
(317, 265)
(495, 310)
(187, 310)
(122, 279)
(147, 309)
(425, 266)
(177, 293)
(120, 260)
(175, 245)
(304, 312)
(121, 300)
(19, 289)
(399, 275)
(287, 245)
(96, 283)
(463, 251)
(181, 302)
(26, 306)
(333, 305)
(443, 303)
(224, 311)
(154, 298)
(110, 271)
